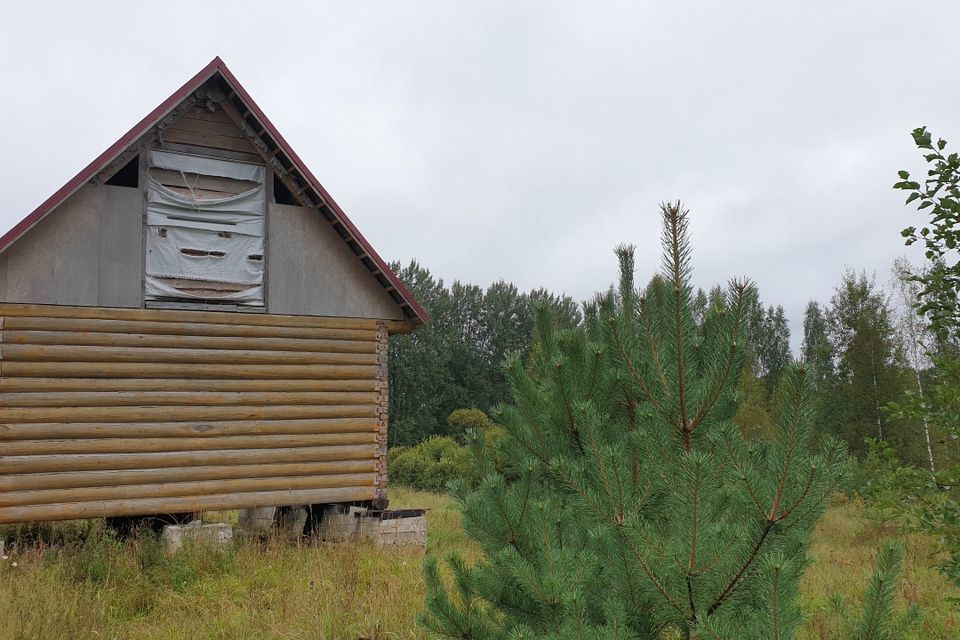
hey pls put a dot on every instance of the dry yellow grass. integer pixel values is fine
(79, 584)
(844, 550)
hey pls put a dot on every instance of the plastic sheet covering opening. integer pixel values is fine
(205, 229)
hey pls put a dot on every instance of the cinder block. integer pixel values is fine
(214, 534)
(406, 527)
(384, 528)
(258, 519)
(292, 520)
(336, 525)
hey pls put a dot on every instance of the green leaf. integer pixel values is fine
(904, 175)
(912, 197)
(906, 184)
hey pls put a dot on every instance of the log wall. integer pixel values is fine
(108, 412)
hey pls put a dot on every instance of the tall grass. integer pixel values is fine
(75, 581)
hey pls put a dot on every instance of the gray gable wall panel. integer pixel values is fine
(312, 271)
(88, 252)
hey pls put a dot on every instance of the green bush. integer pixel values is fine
(431, 464)
(461, 421)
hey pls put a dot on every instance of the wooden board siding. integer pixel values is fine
(213, 131)
(108, 412)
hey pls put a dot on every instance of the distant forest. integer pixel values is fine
(861, 346)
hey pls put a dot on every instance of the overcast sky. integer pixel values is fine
(524, 140)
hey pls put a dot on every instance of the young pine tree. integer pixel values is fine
(624, 503)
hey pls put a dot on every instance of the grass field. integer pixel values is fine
(72, 581)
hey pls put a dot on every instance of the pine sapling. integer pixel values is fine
(621, 500)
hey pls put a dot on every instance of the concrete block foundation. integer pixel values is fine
(257, 520)
(388, 527)
(175, 536)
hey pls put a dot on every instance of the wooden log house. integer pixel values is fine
(192, 323)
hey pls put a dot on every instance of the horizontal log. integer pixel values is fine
(103, 339)
(49, 385)
(33, 323)
(138, 506)
(70, 430)
(69, 353)
(177, 489)
(182, 413)
(154, 445)
(192, 398)
(168, 370)
(103, 462)
(169, 315)
(75, 479)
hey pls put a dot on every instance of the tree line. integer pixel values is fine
(861, 347)
(455, 361)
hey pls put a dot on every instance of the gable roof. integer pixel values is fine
(276, 152)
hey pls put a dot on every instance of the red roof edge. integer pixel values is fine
(401, 288)
(109, 155)
(215, 66)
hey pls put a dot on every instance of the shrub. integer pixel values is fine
(461, 421)
(431, 464)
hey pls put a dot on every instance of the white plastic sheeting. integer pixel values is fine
(207, 166)
(193, 240)
(240, 214)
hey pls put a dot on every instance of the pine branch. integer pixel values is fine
(655, 355)
(775, 624)
(634, 375)
(628, 571)
(721, 384)
(676, 266)
(568, 409)
(694, 520)
(647, 571)
(625, 254)
(875, 623)
(796, 414)
(803, 495)
(743, 476)
(513, 539)
(735, 581)
(616, 503)
(712, 562)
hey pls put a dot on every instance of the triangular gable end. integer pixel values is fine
(214, 109)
